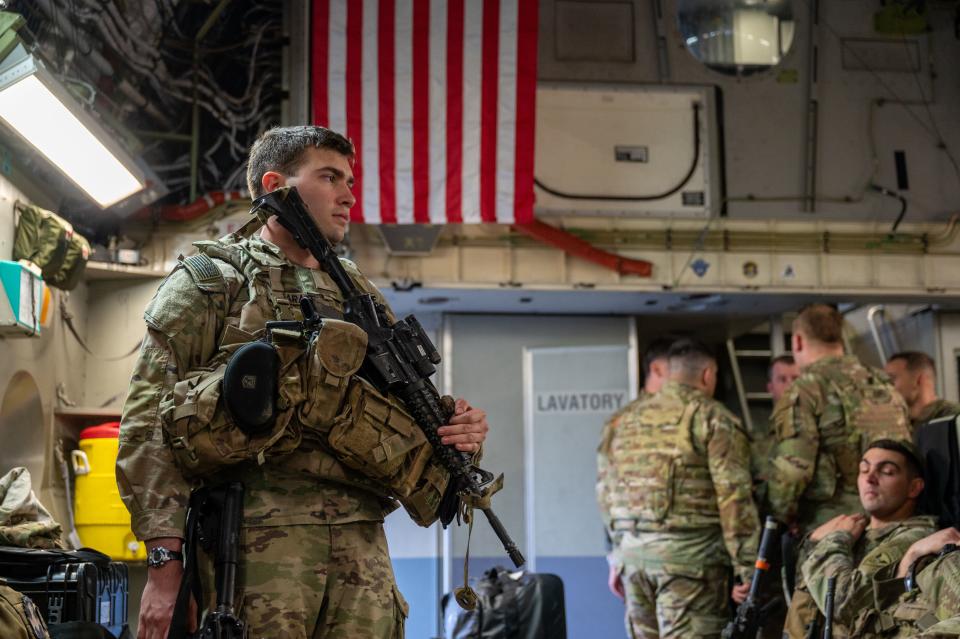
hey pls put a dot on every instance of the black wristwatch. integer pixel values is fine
(158, 556)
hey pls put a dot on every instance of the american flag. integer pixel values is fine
(438, 97)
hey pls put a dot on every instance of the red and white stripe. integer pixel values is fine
(438, 97)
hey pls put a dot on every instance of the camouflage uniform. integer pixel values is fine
(822, 423)
(946, 628)
(674, 490)
(854, 564)
(935, 410)
(932, 608)
(761, 449)
(24, 521)
(315, 560)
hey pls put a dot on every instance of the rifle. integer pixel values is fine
(213, 523)
(828, 608)
(749, 618)
(400, 357)
(223, 524)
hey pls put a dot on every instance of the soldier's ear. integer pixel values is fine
(916, 487)
(271, 181)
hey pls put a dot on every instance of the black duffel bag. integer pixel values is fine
(511, 605)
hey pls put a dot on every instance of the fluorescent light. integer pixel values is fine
(36, 108)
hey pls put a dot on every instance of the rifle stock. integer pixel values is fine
(400, 357)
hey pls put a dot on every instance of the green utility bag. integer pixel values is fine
(49, 241)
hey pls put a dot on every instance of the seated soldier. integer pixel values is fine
(854, 547)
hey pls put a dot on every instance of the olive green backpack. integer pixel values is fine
(49, 241)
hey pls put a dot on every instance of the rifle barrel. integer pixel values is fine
(828, 608)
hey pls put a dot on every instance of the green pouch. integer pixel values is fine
(49, 241)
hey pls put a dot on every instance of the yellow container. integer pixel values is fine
(102, 520)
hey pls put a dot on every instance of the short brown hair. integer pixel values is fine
(658, 348)
(820, 322)
(688, 357)
(906, 449)
(915, 361)
(281, 149)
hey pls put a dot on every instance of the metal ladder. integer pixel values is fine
(775, 325)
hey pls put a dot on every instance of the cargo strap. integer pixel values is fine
(67, 318)
(465, 595)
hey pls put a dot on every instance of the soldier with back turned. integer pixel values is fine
(822, 425)
(674, 492)
(824, 421)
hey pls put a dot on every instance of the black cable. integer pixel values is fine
(891, 193)
(641, 198)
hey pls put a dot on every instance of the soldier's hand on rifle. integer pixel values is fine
(853, 524)
(467, 428)
(739, 592)
(615, 583)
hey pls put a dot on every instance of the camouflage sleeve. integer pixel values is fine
(606, 474)
(833, 556)
(728, 455)
(855, 590)
(940, 583)
(946, 628)
(182, 326)
(796, 442)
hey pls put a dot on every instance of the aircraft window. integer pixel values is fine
(737, 37)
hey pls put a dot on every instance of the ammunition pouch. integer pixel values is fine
(203, 433)
(424, 501)
(334, 354)
(377, 437)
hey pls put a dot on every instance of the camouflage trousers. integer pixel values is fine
(672, 604)
(318, 582)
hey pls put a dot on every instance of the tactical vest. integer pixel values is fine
(663, 481)
(332, 424)
(858, 411)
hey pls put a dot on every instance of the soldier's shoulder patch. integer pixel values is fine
(34, 618)
(205, 273)
(177, 303)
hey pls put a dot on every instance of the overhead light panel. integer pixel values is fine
(41, 111)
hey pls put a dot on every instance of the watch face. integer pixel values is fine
(157, 557)
(160, 555)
